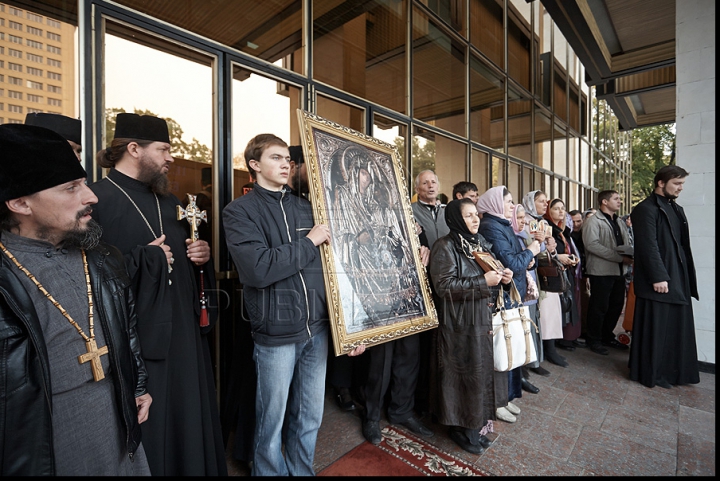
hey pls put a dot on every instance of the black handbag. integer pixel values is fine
(552, 275)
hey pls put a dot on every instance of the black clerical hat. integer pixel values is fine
(296, 154)
(34, 158)
(141, 127)
(68, 127)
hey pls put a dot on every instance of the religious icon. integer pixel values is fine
(488, 262)
(377, 287)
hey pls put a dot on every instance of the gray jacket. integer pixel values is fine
(434, 228)
(601, 258)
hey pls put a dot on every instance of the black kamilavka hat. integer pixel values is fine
(69, 128)
(296, 154)
(34, 158)
(141, 127)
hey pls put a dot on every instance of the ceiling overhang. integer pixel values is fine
(628, 50)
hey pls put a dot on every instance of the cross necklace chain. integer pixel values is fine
(157, 202)
(93, 353)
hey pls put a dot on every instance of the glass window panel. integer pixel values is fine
(275, 111)
(573, 156)
(539, 182)
(574, 106)
(479, 170)
(428, 147)
(514, 181)
(392, 132)
(498, 171)
(560, 101)
(270, 30)
(451, 12)
(543, 132)
(486, 29)
(61, 72)
(543, 68)
(487, 105)
(560, 47)
(190, 122)
(585, 165)
(527, 178)
(519, 124)
(560, 153)
(519, 34)
(438, 76)
(362, 50)
(342, 113)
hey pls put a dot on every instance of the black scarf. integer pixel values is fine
(458, 229)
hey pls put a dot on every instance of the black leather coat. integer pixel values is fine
(26, 437)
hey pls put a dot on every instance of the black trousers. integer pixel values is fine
(394, 365)
(607, 295)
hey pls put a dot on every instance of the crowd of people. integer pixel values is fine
(134, 393)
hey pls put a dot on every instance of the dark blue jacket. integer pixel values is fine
(507, 249)
(279, 267)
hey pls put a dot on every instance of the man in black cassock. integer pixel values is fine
(139, 216)
(663, 350)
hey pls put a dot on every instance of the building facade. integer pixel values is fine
(483, 90)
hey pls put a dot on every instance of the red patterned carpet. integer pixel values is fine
(399, 454)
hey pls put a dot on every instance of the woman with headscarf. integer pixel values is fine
(464, 383)
(496, 206)
(549, 307)
(556, 216)
(530, 300)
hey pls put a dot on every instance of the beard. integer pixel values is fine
(667, 195)
(153, 176)
(87, 238)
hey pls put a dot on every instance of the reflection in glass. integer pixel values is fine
(519, 123)
(479, 167)
(560, 153)
(573, 159)
(260, 105)
(438, 76)
(498, 171)
(190, 122)
(341, 113)
(527, 177)
(394, 133)
(543, 131)
(486, 29)
(487, 112)
(270, 30)
(544, 65)
(362, 50)
(42, 69)
(519, 43)
(514, 181)
(451, 12)
(427, 148)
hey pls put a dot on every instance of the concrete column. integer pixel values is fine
(695, 123)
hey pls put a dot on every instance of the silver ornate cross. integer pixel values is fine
(193, 216)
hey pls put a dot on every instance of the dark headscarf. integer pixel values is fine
(458, 229)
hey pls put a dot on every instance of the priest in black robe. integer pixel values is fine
(139, 216)
(663, 350)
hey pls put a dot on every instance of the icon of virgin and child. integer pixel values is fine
(377, 274)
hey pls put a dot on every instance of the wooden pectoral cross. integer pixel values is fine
(93, 357)
(193, 215)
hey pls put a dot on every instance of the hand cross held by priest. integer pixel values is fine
(74, 382)
(139, 215)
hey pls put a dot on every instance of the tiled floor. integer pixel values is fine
(588, 419)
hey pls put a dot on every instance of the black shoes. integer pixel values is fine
(344, 399)
(580, 344)
(566, 345)
(527, 386)
(416, 427)
(598, 349)
(540, 371)
(371, 431)
(556, 359)
(462, 441)
(616, 345)
(485, 442)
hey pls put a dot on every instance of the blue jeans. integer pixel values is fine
(291, 376)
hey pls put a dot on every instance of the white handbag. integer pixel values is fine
(513, 345)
